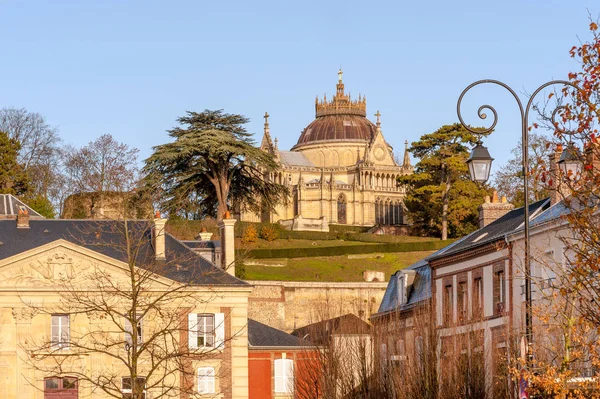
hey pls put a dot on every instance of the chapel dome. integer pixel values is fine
(340, 119)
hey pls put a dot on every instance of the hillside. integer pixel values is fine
(341, 255)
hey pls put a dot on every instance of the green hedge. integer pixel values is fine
(344, 250)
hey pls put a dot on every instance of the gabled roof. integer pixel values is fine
(262, 335)
(10, 206)
(106, 237)
(496, 230)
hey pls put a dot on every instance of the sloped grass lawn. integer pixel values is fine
(335, 268)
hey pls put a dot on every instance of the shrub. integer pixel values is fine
(250, 235)
(269, 232)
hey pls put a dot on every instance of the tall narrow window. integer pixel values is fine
(129, 331)
(477, 297)
(341, 208)
(462, 301)
(60, 331)
(448, 303)
(206, 380)
(284, 375)
(499, 292)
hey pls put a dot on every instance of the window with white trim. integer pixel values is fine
(284, 375)
(129, 331)
(206, 330)
(128, 389)
(60, 334)
(206, 380)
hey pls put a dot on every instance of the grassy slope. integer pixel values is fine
(334, 268)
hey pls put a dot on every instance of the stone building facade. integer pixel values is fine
(341, 169)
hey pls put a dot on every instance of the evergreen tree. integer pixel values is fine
(213, 165)
(13, 178)
(441, 199)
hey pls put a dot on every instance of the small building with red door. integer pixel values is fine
(277, 362)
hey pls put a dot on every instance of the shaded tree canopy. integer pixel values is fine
(211, 166)
(13, 179)
(441, 199)
(508, 180)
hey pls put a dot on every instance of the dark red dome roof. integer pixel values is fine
(338, 127)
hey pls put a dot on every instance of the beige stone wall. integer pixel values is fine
(33, 277)
(288, 305)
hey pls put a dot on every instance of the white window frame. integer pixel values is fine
(206, 380)
(130, 390)
(218, 333)
(284, 382)
(129, 331)
(60, 339)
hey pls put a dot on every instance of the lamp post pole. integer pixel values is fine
(525, 166)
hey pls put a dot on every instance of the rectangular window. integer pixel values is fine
(206, 330)
(284, 375)
(206, 380)
(499, 292)
(128, 389)
(60, 331)
(448, 303)
(129, 331)
(478, 297)
(462, 301)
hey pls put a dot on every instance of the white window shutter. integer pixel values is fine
(219, 330)
(192, 331)
(289, 375)
(128, 331)
(279, 375)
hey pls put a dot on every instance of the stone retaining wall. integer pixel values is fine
(287, 305)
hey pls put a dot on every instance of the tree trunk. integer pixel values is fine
(445, 201)
(222, 189)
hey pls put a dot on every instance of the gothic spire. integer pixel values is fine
(266, 143)
(406, 162)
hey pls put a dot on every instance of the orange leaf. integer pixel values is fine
(550, 95)
(593, 26)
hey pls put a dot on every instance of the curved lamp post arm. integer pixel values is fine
(525, 165)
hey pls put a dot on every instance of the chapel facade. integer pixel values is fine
(341, 169)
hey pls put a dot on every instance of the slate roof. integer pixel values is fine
(106, 237)
(319, 332)
(10, 205)
(421, 286)
(293, 158)
(262, 335)
(197, 244)
(497, 229)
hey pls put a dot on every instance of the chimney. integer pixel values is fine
(493, 209)
(159, 236)
(227, 243)
(204, 235)
(23, 218)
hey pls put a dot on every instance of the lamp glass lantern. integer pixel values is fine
(480, 163)
(570, 161)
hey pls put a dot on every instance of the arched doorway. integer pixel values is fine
(341, 208)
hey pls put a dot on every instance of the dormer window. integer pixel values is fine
(401, 289)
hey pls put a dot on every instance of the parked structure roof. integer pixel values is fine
(10, 206)
(262, 335)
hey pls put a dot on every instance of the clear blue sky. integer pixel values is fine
(129, 68)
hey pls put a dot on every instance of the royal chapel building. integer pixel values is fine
(341, 170)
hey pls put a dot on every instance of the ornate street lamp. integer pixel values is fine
(570, 161)
(482, 169)
(480, 163)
